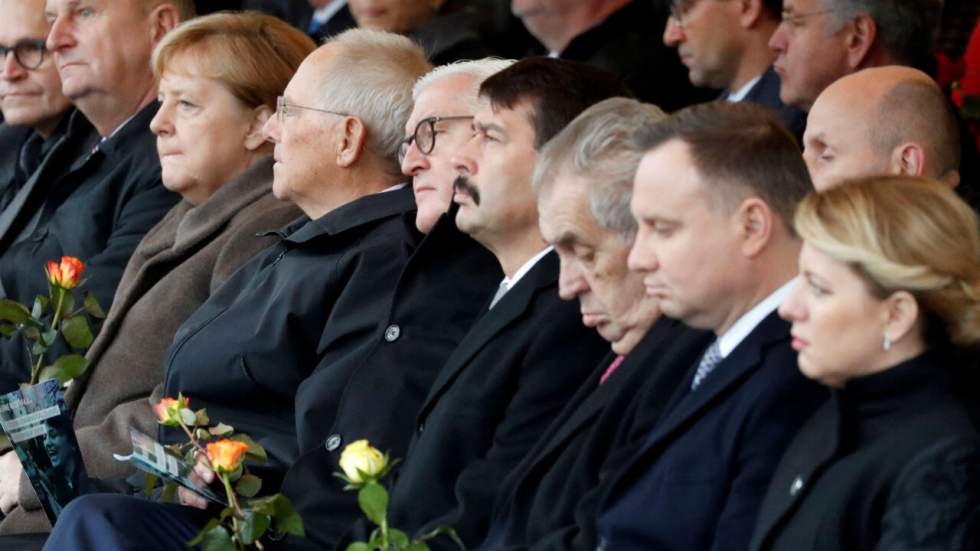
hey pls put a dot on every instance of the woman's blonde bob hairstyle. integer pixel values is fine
(252, 54)
(903, 233)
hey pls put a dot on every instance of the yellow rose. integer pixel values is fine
(226, 455)
(168, 410)
(359, 457)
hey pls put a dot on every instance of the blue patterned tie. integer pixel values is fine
(710, 360)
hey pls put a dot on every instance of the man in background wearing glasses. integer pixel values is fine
(724, 45)
(32, 105)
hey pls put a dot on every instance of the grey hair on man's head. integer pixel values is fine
(478, 69)
(907, 29)
(371, 78)
(599, 146)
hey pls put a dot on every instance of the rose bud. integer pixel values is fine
(66, 274)
(168, 410)
(226, 455)
(359, 457)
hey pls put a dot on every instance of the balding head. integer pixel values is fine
(883, 120)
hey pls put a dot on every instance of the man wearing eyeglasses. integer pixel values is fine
(724, 44)
(31, 102)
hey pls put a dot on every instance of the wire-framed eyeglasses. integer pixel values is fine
(285, 109)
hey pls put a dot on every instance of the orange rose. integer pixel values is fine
(226, 455)
(168, 410)
(66, 274)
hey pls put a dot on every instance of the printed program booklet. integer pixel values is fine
(37, 422)
(151, 457)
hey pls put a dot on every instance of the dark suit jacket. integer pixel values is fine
(442, 291)
(628, 44)
(837, 487)
(454, 33)
(766, 92)
(549, 500)
(245, 351)
(698, 481)
(12, 138)
(96, 206)
(491, 401)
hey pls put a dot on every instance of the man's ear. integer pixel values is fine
(754, 221)
(352, 142)
(908, 159)
(861, 34)
(750, 12)
(163, 19)
(255, 137)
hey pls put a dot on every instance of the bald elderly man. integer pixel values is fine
(883, 120)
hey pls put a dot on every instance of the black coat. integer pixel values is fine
(495, 396)
(699, 478)
(455, 33)
(766, 93)
(549, 500)
(443, 289)
(628, 44)
(245, 351)
(836, 487)
(12, 138)
(92, 204)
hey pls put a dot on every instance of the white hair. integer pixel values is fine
(479, 69)
(371, 77)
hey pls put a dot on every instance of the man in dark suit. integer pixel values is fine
(619, 36)
(584, 181)
(98, 191)
(718, 251)
(726, 45)
(30, 97)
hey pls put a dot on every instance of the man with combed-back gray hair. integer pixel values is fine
(584, 181)
(313, 299)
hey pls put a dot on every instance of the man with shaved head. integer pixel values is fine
(884, 120)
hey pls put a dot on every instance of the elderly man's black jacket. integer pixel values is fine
(94, 200)
(443, 289)
(494, 397)
(549, 501)
(11, 140)
(244, 352)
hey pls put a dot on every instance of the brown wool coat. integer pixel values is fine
(176, 267)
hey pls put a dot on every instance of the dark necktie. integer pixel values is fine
(710, 360)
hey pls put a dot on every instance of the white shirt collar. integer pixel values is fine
(740, 94)
(394, 187)
(508, 283)
(749, 320)
(322, 15)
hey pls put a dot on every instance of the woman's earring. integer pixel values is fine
(886, 344)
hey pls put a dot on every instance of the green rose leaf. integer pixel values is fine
(14, 312)
(248, 485)
(65, 368)
(221, 429)
(67, 305)
(214, 538)
(253, 527)
(92, 306)
(417, 546)
(254, 449)
(397, 538)
(287, 519)
(33, 334)
(7, 329)
(150, 484)
(48, 337)
(40, 305)
(358, 546)
(169, 494)
(373, 499)
(188, 417)
(201, 418)
(77, 332)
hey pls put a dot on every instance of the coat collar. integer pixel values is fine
(542, 278)
(358, 212)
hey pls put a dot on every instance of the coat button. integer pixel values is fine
(333, 442)
(796, 486)
(392, 333)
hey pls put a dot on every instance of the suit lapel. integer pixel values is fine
(510, 308)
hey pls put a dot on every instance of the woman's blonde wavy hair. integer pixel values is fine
(904, 233)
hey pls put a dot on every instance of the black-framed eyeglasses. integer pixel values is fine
(285, 109)
(28, 53)
(424, 136)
